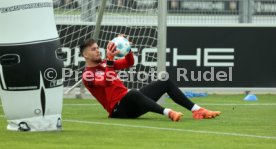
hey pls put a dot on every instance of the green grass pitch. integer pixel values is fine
(243, 124)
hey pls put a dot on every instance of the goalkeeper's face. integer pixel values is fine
(92, 53)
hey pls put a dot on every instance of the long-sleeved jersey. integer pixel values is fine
(103, 83)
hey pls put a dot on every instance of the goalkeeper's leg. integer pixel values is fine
(135, 104)
(156, 89)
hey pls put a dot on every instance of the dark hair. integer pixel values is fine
(86, 44)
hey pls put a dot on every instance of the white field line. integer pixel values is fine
(173, 129)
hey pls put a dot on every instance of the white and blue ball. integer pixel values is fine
(123, 45)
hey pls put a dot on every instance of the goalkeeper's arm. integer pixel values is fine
(126, 62)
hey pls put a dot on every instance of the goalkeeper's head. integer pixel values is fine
(89, 49)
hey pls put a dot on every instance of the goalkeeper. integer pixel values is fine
(100, 78)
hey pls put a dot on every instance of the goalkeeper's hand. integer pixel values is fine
(111, 51)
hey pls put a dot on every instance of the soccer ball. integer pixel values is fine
(123, 45)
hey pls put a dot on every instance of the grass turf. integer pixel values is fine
(243, 124)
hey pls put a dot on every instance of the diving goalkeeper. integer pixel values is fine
(100, 78)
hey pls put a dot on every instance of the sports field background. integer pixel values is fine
(243, 124)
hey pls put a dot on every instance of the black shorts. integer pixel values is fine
(126, 108)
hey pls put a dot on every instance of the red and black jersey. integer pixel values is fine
(103, 83)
